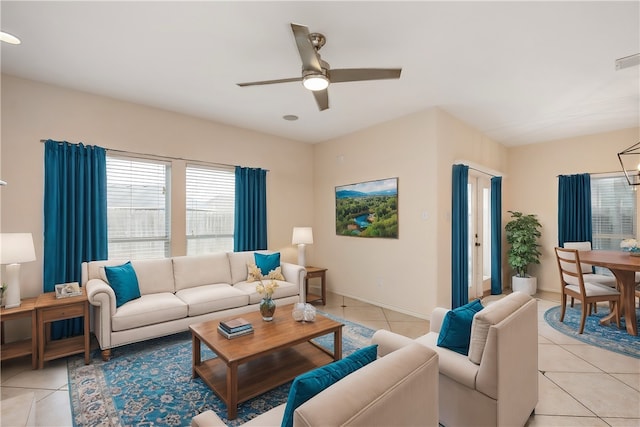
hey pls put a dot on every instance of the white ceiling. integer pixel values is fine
(521, 72)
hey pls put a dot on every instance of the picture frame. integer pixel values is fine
(65, 290)
(368, 209)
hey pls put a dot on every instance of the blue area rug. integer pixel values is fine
(608, 337)
(149, 383)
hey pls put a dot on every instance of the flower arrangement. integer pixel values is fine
(630, 245)
(266, 290)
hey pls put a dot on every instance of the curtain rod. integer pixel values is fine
(481, 171)
(143, 155)
(592, 173)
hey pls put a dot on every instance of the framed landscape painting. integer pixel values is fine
(368, 209)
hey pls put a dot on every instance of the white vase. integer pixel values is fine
(527, 285)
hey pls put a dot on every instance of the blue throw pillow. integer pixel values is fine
(307, 385)
(266, 263)
(123, 280)
(455, 332)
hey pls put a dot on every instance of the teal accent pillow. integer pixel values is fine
(307, 385)
(266, 263)
(123, 280)
(455, 332)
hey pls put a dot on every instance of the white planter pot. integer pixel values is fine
(527, 285)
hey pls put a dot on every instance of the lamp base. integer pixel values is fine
(301, 260)
(12, 294)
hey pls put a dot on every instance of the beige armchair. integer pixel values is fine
(399, 389)
(497, 384)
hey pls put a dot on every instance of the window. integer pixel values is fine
(138, 208)
(210, 209)
(613, 210)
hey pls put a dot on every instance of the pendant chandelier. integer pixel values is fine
(633, 178)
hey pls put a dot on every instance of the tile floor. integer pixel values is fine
(580, 385)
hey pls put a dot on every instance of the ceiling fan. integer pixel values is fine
(316, 73)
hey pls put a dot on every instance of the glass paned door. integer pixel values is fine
(479, 235)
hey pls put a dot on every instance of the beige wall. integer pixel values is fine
(411, 274)
(33, 111)
(533, 183)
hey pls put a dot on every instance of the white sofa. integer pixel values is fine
(501, 389)
(399, 389)
(179, 291)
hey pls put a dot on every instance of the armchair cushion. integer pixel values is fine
(123, 280)
(455, 332)
(307, 385)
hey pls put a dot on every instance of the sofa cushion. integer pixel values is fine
(455, 332)
(154, 275)
(148, 310)
(451, 364)
(267, 262)
(307, 385)
(210, 298)
(284, 289)
(255, 274)
(123, 280)
(209, 269)
(238, 262)
(493, 314)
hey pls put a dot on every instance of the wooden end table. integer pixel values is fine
(49, 309)
(321, 273)
(24, 347)
(275, 353)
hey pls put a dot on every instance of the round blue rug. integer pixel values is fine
(608, 337)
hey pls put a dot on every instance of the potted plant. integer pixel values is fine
(523, 232)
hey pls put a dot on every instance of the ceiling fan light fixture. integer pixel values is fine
(315, 82)
(9, 38)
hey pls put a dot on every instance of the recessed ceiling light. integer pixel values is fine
(9, 38)
(290, 117)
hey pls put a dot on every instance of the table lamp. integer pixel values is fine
(15, 248)
(302, 236)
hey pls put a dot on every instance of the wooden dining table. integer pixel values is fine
(624, 267)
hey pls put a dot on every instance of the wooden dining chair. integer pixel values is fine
(572, 283)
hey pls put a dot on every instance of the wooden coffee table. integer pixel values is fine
(274, 354)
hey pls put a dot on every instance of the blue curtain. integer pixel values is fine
(75, 217)
(574, 208)
(459, 237)
(496, 235)
(250, 210)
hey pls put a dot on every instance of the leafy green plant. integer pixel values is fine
(523, 232)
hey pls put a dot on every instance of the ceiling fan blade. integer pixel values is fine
(308, 54)
(359, 74)
(322, 99)
(270, 82)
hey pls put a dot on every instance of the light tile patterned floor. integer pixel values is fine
(580, 385)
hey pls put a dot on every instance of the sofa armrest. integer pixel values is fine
(437, 316)
(294, 273)
(102, 297)
(99, 293)
(398, 389)
(388, 341)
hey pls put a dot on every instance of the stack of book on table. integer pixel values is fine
(235, 328)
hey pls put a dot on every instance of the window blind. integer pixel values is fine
(210, 196)
(613, 210)
(138, 208)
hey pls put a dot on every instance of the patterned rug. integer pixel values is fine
(608, 337)
(149, 383)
